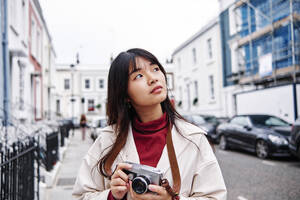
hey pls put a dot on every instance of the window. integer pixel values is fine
(33, 38)
(170, 82)
(38, 49)
(24, 22)
(57, 106)
(87, 84)
(241, 121)
(211, 87)
(194, 55)
(101, 83)
(91, 105)
(21, 87)
(13, 13)
(179, 63)
(209, 48)
(67, 84)
(196, 88)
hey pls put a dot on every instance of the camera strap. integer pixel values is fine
(174, 168)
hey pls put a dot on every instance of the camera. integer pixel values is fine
(142, 176)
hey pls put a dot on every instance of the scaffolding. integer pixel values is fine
(268, 41)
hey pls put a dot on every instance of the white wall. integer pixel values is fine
(187, 72)
(276, 101)
(81, 72)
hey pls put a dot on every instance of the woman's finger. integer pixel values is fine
(119, 170)
(117, 182)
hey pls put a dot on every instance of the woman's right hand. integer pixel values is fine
(119, 184)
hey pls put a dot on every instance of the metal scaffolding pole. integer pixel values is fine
(293, 41)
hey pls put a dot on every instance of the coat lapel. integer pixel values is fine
(180, 143)
(129, 152)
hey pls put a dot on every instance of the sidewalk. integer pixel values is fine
(70, 164)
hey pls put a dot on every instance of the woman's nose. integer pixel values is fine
(151, 79)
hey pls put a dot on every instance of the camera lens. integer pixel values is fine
(140, 184)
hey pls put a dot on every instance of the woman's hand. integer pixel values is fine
(160, 193)
(119, 184)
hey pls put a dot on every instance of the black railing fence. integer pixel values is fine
(26, 146)
(19, 177)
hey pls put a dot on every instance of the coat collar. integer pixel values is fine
(129, 152)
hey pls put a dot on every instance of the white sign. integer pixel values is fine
(265, 65)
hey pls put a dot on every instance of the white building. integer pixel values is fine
(87, 84)
(198, 61)
(31, 54)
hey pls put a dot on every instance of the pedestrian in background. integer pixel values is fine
(83, 126)
(145, 128)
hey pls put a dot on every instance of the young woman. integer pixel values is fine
(141, 119)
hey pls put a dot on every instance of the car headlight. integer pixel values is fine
(277, 140)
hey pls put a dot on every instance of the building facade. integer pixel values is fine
(198, 86)
(261, 49)
(31, 54)
(81, 89)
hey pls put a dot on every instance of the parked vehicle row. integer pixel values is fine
(264, 135)
(96, 124)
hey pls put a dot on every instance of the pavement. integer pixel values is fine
(68, 169)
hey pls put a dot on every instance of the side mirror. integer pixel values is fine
(249, 128)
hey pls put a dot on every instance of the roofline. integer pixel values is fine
(205, 28)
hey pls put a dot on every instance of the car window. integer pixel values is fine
(242, 121)
(265, 120)
(274, 121)
(198, 120)
(211, 119)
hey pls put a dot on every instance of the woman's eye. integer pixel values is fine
(138, 76)
(156, 69)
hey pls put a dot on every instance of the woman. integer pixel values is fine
(141, 119)
(83, 126)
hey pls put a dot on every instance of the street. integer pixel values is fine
(250, 178)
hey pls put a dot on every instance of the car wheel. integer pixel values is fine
(262, 149)
(223, 143)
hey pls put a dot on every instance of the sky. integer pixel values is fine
(99, 29)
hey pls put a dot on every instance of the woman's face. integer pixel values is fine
(146, 85)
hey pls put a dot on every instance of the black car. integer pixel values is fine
(200, 122)
(265, 135)
(213, 123)
(294, 141)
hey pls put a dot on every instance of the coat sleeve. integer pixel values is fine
(208, 182)
(90, 184)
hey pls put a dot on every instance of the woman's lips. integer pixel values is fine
(157, 89)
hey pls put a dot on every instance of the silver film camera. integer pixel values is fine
(142, 176)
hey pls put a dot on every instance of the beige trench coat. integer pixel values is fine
(201, 177)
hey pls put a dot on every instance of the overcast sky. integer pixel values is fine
(98, 29)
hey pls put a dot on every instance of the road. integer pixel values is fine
(250, 178)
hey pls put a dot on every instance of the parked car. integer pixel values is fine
(265, 135)
(199, 121)
(213, 122)
(96, 124)
(294, 140)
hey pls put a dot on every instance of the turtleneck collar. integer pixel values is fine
(152, 126)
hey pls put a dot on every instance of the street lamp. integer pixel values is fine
(72, 90)
(72, 95)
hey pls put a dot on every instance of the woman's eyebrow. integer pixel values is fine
(135, 70)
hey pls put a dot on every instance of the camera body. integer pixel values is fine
(143, 175)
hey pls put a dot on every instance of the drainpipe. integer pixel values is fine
(6, 73)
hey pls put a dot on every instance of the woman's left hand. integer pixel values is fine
(160, 193)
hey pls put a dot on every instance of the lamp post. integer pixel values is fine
(72, 90)
(72, 95)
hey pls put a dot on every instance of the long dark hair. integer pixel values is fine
(118, 111)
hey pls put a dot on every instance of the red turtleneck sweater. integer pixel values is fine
(150, 140)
